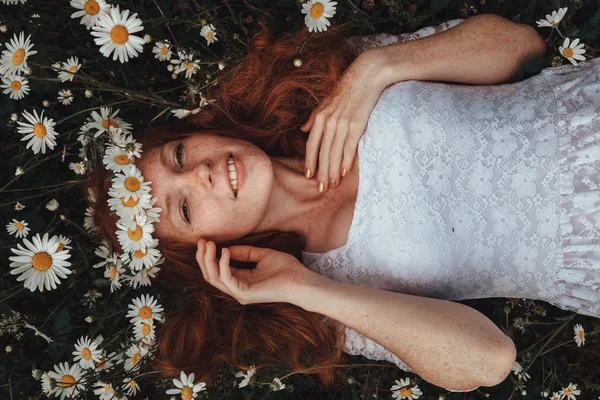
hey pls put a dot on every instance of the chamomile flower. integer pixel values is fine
(52, 205)
(104, 390)
(130, 386)
(186, 63)
(65, 96)
(162, 50)
(552, 20)
(276, 385)
(569, 392)
(14, 59)
(182, 113)
(135, 235)
(19, 206)
(142, 278)
(247, 376)
(130, 184)
(17, 87)
(402, 390)
(115, 159)
(317, 12)
(63, 243)
(18, 228)
(106, 361)
(130, 208)
(208, 32)
(114, 32)
(69, 380)
(579, 335)
(143, 309)
(72, 65)
(133, 356)
(40, 263)
(572, 52)
(101, 122)
(78, 168)
(88, 221)
(91, 296)
(185, 386)
(90, 10)
(48, 387)
(104, 251)
(144, 330)
(141, 259)
(114, 272)
(86, 352)
(40, 130)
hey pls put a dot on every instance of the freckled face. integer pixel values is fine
(201, 190)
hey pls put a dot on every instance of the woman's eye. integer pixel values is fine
(184, 207)
(178, 155)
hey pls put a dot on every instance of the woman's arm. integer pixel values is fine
(448, 344)
(484, 49)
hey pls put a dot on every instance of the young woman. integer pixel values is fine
(452, 192)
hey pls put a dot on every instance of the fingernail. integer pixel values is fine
(344, 172)
(321, 186)
(332, 182)
(307, 174)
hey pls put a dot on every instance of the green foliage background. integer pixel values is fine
(143, 89)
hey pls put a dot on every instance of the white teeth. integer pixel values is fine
(232, 173)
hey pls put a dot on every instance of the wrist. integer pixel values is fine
(307, 288)
(392, 65)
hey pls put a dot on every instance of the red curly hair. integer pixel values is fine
(264, 99)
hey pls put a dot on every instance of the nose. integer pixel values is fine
(202, 174)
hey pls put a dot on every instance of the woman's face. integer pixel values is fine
(201, 189)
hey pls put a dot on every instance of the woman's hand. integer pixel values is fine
(276, 278)
(338, 123)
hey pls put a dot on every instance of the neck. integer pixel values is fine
(295, 204)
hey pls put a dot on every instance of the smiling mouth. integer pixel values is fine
(232, 174)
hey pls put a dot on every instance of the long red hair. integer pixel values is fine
(264, 98)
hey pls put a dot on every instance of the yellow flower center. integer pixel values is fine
(145, 312)
(41, 261)
(568, 52)
(131, 383)
(113, 272)
(100, 364)
(122, 159)
(73, 68)
(67, 380)
(209, 35)
(60, 247)
(406, 392)
(146, 329)
(112, 122)
(317, 10)
(39, 130)
(132, 184)
(16, 85)
(129, 203)
(568, 392)
(65, 95)
(91, 7)
(188, 65)
(164, 50)
(136, 359)
(135, 235)
(78, 167)
(19, 226)
(139, 254)
(581, 335)
(119, 34)
(186, 393)
(107, 388)
(18, 57)
(86, 354)
(148, 269)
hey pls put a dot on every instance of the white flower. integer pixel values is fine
(141, 259)
(144, 308)
(569, 392)
(144, 330)
(114, 33)
(402, 390)
(19, 206)
(208, 32)
(133, 356)
(89, 93)
(52, 205)
(47, 387)
(113, 272)
(91, 296)
(105, 119)
(19, 171)
(69, 380)
(135, 235)
(181, 113)
(247, 376)
(63, 243)
(552, 20)
(162, 50)
(105, 390)
(276, 385)
(579, 335)
(572, 52)
(185, 63)
(142, 278)
(17, 86)
(40, 263)
(72, 65)
(107, 361)
(14, 60)
(115, 159)
(130, 386)
(185, 386)
(78, 168)
(86, 352)
(18, 228)
(40, 130)
(90, 10)
(88, 222)
(65, 96)
(317, 12)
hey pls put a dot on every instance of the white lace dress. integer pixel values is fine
(477, 191)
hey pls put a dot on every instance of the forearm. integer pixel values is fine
(448, 344)
(484, 49)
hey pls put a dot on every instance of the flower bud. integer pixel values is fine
(19, 171)
(14, 117)
(89, 93)
(3, 28)
(46, 103)
(89, 319)
(8, 348)
(63, 217)
(297, 62)
(221, 66)
(147, 38)
(170, 68)
(174, 76)
(52, 205)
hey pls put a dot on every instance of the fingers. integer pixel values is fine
(312, 145)
(337, 152)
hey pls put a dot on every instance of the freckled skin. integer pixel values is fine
(214, 212)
